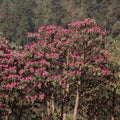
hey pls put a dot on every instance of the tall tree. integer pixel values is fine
(58, 11)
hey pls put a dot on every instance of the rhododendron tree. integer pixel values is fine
(60, 65)
(9, 77)
(96, 67)
(80, 47)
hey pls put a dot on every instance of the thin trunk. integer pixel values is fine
(42, 115)
(65, 92)
(76, 105)
(48, 107)
(95, 118)
(52, 104)
(95, 112)
(113, 104)
(61, 118)
(65, 103)
(76, 102)
(112, 117)
(6, 118)
(64, 115)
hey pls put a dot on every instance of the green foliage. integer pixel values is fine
(17, 17)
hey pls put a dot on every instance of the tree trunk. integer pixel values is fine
(65, 103)
(48, 107)
(65, 92)
(52, 104)
(95, 111)
(64, 116)
(112, 117)
(76, 102)
(6, 118)
(113, 104)
(42, 115)
(95, 118)
(61, 117)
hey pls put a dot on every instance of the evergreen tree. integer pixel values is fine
(24, 18)
(58, 11)
(6, 19)
(13, 14)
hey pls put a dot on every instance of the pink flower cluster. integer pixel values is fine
(87, 21)
(106, 72)
(29, 78)
(11, 85)
(35, 97)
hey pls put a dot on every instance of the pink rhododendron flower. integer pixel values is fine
(41, 96)
(106, 72)
(45, 73)
(39, 84)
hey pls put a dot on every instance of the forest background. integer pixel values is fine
(18, 17)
